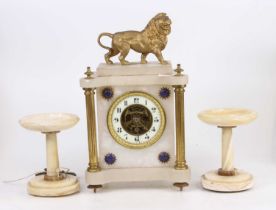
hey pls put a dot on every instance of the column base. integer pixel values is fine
(38, 186)
(239, 182)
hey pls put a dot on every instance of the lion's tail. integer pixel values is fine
(99, 39)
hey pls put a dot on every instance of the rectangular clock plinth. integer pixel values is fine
(151, 68)
(137, 175)
(140, 75)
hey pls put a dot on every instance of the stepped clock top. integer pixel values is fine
(152, 39)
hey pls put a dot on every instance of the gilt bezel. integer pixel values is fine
(120, 140)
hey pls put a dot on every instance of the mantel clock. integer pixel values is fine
(135, 119)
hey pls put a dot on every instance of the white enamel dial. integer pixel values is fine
(136, 120)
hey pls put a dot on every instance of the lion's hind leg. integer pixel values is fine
(124, 48)
(112, 52)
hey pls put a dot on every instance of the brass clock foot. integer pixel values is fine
(94, 187)
(181, 185)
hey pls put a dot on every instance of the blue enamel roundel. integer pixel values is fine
(107, 93)
(164, 157)
(110, 158)
(164, 92)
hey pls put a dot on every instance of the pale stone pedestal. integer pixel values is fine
(54, 182)
(227, 178)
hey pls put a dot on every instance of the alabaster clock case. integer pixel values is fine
(135, 119)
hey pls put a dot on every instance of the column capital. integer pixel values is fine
(89, 91)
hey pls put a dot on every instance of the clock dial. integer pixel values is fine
(136, 120)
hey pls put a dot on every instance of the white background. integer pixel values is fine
(228, 49)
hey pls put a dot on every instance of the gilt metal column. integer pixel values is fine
(93, 164)
(179, 90)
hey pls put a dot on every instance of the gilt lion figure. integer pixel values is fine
(153, 39)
